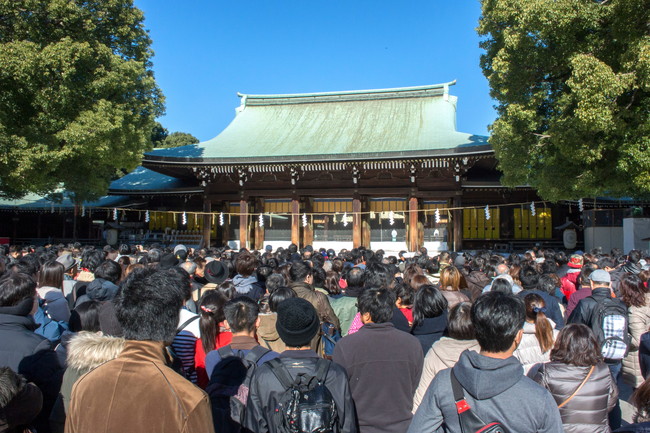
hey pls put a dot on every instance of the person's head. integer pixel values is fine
(51, 274)
(529, 277)
(148, 305)
(599, 278)
(297, 322)
(16, 288)
(109, 271)
(211, 314)
(377, 276)
(376, 305)
(241, 314)
(460, 325)
(404, 295)
(450, 278)
(419, 281)
(85, 317)
(634, 256)
(355, 277)
(632, 290)
(429, 303)
(300, 272)
(90, 259)
(190, 267)
(576, 345)
(245, 264)
(536, 313)
(227, 289)
(332, 283)
(498, 320)
(279, 295)
(547, 284)
(503, 284)
(274, 281)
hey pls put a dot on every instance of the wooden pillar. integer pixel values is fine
(356, 222)
(207, 221)
(458, 224)
(243, 223)
(295, 221)
(413, 225)
(365, 223)
(308, 230)
(259, 231)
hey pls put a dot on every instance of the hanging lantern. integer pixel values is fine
(260, 220)
(533, 212)
(83, 211)
(345, 219)
(146, 217)
(487, 212)
(581, 206)
(221, 219)
(304, 220)
(115, 214)
(184, 219)
(391, 218)
(437, 216)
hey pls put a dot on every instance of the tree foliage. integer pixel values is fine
(178, 139)
(572, 80)
(78, 97)
(158, 135)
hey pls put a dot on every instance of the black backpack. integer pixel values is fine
(229, 384)
(468, 419)
(609, 322)
(305, 405)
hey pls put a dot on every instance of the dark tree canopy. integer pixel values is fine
(572, 79)
(178, 139)
(78, 97)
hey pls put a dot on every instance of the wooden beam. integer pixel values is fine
(243, 224)
(457, 216)
(356, 222)
(207, 222)
(413, 236)
(295, 221)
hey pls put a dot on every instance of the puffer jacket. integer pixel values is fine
(453, 297)
(529, 353)
(587, 411)
(638, 324)
(476, 281)
(443, 354)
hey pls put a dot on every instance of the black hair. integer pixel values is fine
(90, 259)
(85, 317)
(460, 326)
(211, 312)
(274, 281)
(429, 303)
(185, 281)
(355, 277)
(124, 250)
(109, 270)
(228, 289)
(279, 295)
(241, 314)
(546, 284)
(497, 318)
(529, 277)
(263, 272)
(26, 265)
(405, 294)
(148, 305)
(634, 256)
(606, 262)
(501, 285)
(376, 276)
(319, 277)
(379, 303)
(299, 271)
(15, 287)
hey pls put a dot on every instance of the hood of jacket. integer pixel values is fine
(101, 290)
(266, 330)
(448, 350)
(484, 377)
(244, 284)
(88, 350)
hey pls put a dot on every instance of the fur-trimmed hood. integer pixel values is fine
(88, 350)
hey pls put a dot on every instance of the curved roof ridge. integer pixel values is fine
(350, 92)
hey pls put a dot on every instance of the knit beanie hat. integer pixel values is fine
(297, 322)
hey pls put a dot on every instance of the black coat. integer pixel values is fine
(265, 390)
(32, 356)
(553, 310)
(586, 307)
(430, 331)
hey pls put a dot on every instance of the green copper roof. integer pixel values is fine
(411, 120)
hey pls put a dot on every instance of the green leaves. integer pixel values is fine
(77, 95)
(572, 82)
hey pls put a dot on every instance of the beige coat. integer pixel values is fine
(267, 335)
(529, 353)
(443, 354)
(639, 323)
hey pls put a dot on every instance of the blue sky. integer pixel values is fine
(207, 51)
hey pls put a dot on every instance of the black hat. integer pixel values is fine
(215, 272)
(168, 261)
(297, 322)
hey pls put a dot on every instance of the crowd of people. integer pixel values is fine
(172, 339)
